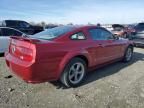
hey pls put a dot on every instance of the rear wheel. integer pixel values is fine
(128, 54)
(74, 73)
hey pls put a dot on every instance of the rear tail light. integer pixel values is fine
(22, 53)
(27, 54)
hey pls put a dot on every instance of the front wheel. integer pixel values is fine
(128, 54)
(74, 73)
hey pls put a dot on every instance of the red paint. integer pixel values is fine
(38, 61)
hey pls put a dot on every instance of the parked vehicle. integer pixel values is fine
(138, 38)
(65, 53)
(139, 29)
(5, 33)
(22, 26)
(121, 31)
(132, 29)
(109, 28)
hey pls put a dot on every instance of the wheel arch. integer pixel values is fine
(131, 45)
(84, 56)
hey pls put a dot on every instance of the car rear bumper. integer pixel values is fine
(31, 72)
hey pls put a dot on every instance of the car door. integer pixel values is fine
(4, 40)
(113, 45)
(104, 45)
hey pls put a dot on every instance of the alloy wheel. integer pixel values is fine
(76, 73)
(129, 54)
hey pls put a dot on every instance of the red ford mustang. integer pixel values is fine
(65, 53)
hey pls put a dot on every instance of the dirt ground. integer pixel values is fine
(119, 85)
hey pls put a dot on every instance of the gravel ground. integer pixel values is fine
(119, 85)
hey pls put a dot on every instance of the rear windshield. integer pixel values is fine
(50, 34)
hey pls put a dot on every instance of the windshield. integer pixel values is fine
(117, 29)
(50, 34)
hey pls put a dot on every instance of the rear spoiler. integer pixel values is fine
(25, 39)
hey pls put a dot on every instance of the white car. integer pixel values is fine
(5, 33)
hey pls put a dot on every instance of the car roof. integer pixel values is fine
(140, 23)
(14, 20)
(82, 26)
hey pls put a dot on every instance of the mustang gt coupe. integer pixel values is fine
(65, 53)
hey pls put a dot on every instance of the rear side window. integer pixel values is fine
(17, 33)
(53, 33)
(78, 36)
(11, 23)
(10, 32)
(100, 34)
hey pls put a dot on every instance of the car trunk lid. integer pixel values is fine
(23, 48)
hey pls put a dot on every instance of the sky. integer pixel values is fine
(73, 11)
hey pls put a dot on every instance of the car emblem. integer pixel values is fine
(13, 49)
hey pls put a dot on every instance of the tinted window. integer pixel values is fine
(23, 24)
(11, 23)
(53, 33)
(17, 33)
(140, 26)
(100, 34)
(78, 36)
(10, 32)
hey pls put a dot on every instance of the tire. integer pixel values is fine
(74, 73)
(128, 54)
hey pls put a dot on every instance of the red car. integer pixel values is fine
(65, 53)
